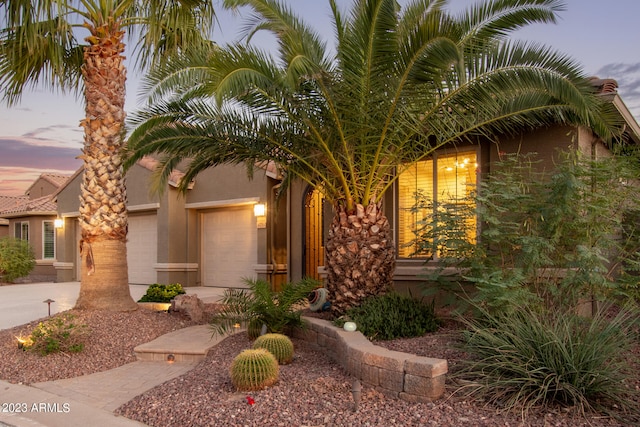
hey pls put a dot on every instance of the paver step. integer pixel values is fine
(185, 345)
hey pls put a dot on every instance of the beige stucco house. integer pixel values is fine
(32, 217)
(212, 236)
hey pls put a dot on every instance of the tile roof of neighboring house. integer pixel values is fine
(9, 202)
(24, 206)
(150, 163)
(13, 206)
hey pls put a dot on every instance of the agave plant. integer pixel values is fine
(261, 305)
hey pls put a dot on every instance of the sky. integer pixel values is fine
(42, 133)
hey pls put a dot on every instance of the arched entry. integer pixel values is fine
(313, 234)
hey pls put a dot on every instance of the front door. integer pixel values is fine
(313, 234)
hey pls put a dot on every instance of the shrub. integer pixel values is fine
(546, 239)
(527, 359)
(277, 344)
(58, 334)
(254, 370)
(392, 315)
(162, 293)
(261, 305)
(16, 258)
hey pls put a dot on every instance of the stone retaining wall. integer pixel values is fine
(401, 375)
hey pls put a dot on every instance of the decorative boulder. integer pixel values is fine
(190, 305)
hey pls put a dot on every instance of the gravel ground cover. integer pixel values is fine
(312, 391)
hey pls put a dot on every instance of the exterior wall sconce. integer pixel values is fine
(58, 223)
(260, 212)
(259, 209)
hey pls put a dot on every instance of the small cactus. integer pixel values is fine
(254, 370)
(277, 344)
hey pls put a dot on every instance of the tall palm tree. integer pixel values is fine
(402, 83)
(39, 43)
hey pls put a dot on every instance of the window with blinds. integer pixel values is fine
(444, 179)
(48, 240)
(21, 230)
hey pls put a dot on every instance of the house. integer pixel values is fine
(219, 232)
(210, 236)
(32, 217)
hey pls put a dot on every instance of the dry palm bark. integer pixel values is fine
(103, 213)
(360, 256)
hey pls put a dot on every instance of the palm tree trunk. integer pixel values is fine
(103, 214)
(360, 256)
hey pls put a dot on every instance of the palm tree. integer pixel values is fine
(39, 44)
(402, 83)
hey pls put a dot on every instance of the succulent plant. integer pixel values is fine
(254, 369)
(277, 344)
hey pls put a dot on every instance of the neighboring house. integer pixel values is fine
(211, 236)
(32, 217)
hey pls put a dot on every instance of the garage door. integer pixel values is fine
(142, 249)
(229, 247)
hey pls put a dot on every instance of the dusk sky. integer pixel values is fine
(41, 134)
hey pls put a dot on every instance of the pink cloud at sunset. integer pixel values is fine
(21, 163)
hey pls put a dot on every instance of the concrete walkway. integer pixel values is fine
(90, 399)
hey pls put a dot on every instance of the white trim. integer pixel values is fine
(70, 214)
(176, 266)
(223, 203)
(63, 265)
(4, 221)
(45, 261)
(147, 207)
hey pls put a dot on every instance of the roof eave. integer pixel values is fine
(631, 124)
(29, 213)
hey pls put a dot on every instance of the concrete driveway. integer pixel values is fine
(20, 304)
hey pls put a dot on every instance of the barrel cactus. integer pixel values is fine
(277, 344)
(254, 369)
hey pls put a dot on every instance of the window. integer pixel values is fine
(445, 180)
(48, 240)
(21, 230)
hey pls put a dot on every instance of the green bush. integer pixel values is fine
(162, 293)
(527, 359)
(261, 305)
(58, 334)
(254, 369)
(546, 239)
(16, 258)
(392, 315)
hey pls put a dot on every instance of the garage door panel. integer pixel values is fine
(229, 247)
(142, 249)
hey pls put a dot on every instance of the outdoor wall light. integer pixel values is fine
(260, 212)
(58, 223)
(259, 209)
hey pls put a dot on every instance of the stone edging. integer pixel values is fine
(401, 375)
